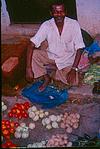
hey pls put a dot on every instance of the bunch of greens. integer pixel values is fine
(93, 74)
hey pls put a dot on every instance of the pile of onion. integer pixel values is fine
(70, 121)
(36, 114)
(59, 140)
(4, 107)
(22, 131)
(51, 121)
(37, 145)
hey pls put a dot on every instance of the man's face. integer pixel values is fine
(58, 12)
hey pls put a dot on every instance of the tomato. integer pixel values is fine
(8, 126)
(3, 121)
(12, 124)
(13, 110)
(19, 116)
(25, 115)
(5, 132)
(22, 106)
(8, 143)
(12, 130)
(18, 111)
(27, 103)
(16, 105)
(10, 114)
(16, 124)
(7, 122)
(4, 145)
(3, 127)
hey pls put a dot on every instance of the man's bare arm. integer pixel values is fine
(29, 73)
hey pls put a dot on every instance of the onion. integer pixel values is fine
(48, 126)
(43, 122)
(41, 115)
(2, 103)
(69, 144)
(4, 107)
(69, 130)
(31, 114)
(46, 113)
(34, 108)
(36, 118)
(53, 117)
(19, 128)
(22, 124)
(37, 112)
(55, 125)
(17, 134)
(31, 125)
(47, 120)
(75, 125)
(25, 135)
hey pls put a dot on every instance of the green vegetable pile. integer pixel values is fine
(92, 75)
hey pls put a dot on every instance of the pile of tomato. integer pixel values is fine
(19, 110)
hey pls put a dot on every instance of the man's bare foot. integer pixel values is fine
(45, 84)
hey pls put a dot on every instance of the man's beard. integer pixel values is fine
(59, 19)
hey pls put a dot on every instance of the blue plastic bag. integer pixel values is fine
(94, 47)
(49, 98)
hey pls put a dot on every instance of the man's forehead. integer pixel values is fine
(58, 7)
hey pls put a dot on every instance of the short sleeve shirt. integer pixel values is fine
(61, 48)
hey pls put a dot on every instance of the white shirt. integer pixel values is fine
(61, 48)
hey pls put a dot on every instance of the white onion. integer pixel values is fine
(69, 144)
(17, 134)
(4, 107)
(48, 126)
(31, 125)
(22, 124)
(36, 118)
(55, 125)
(47, 120)
(46, 113)
(53, 117)
(31, 114)
(34, 108)
(25, 135)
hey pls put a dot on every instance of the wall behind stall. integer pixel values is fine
(88, 15)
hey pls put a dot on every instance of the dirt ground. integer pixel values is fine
(89, 120)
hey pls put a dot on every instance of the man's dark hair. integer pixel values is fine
(57, 2)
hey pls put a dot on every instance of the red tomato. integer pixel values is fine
(27, 103)
(18, 111)
(8, 143)
(4, 145)
(16, 105)
(13, 110)
(12, 124)
(16, 124)
(22, 106)
(12, 130)
(7, 122)
(19, 116)
(5, 132)
(8, 126)
(3, 121)
(10, 114)
(3, 127)
(25, 115)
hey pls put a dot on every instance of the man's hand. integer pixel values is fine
(29, 74)
(71, 76)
